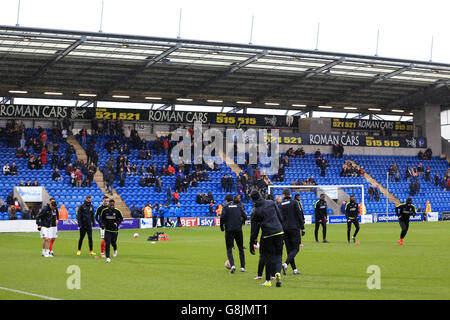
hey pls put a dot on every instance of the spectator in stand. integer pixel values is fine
(437, 180)
(171, 170)
(38, 163)
(420, 170)
(199, 198)
(223, 183)
(159, 184)
(78, 178)
(13, 169)
(89, 178)
(230, 183)
(44, 155)
(122, 177)
(335, 150)
(83, 134)
(2, 206)
(428, 174)
(371, 193)
(6, 169)
(176, 197)
(408, 173)
(31, 162)
(55, 160)
(428, 154)
(12, 213)
(56, 176)
(317, 154)
(35, 183)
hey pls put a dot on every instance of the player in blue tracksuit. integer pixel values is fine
(179, 214)
(163, 212)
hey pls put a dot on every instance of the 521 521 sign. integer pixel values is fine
(118, 114)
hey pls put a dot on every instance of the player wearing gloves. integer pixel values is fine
(267, 217)
(231, 221)
(351, 213)
(320, 214)
(293, 225)
(85, 218)
(110, 219)
(99, 210)
(404, 211)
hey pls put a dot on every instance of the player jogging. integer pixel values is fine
(404, 211)
(320, 213)
(231, 221)
(300, 206)
(98, 212)
(267, 217)
(293, 223)
(110, 219)
(45, 221)
(85, 218)
(351, 213)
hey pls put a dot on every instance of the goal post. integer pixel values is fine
(331, 190)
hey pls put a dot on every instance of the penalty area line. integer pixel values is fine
(29, 294)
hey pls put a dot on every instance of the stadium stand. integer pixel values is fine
(298, 169)
(438, 197)
(62, 191)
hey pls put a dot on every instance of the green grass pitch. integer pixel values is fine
(191, 266)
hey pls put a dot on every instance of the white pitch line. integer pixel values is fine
(29, 294)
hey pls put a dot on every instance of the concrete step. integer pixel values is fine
(98, 178)
(374, 182)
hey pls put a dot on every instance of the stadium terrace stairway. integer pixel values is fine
(98, 178)
(374, 182)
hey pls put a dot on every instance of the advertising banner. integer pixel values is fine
(31, 194)
(360, 124)
(383, 217)
(366, 218)
(432, 216)
(146, 223)
(72, 225)
(324, 139)
(189, 222)
(18, 226)
(308, 219)
(45, 112)
(206, 222)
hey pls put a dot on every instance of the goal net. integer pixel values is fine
(335, 195)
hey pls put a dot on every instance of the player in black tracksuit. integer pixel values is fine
(320, 214)
(267, 217)
(98, 212)
(293, 225)
(110, 220)
(231, 221)
(404, 211)
(351, 213)
(86, 220)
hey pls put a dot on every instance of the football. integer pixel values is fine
(136, 235)
(227, 265)
(256, 246)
